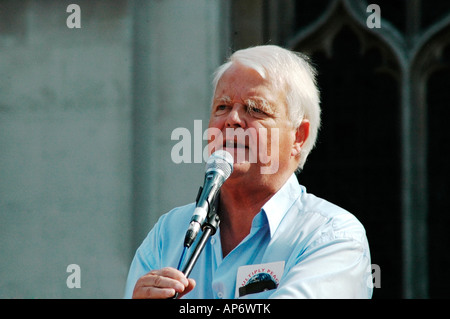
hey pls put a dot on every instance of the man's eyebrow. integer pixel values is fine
(261, 103)
(224, 99)
(254, 101)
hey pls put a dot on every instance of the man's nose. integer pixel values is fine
(236, 117)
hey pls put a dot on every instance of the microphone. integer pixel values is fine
(218, 168)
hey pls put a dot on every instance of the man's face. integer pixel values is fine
(251, 115)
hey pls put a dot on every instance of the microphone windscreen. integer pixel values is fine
(221, 161)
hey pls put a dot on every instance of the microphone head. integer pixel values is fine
(222, 162)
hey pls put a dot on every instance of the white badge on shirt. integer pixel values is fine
(257, 278)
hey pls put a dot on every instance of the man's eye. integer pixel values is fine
(256, 111)
(220, 109)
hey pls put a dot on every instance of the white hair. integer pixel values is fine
(291, 72)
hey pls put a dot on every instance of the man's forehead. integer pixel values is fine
(254, 98)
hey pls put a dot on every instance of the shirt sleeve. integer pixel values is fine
(335, 264)
(145, 259)
(329, 270)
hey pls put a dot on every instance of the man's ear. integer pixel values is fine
(301, 134)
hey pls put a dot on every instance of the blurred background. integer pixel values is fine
(86, 116)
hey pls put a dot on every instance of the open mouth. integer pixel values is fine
(234, 144)
(239, 150)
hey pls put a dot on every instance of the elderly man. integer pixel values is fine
(275, 240)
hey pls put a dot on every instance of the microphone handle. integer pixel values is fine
(209, 229)
(198, 249)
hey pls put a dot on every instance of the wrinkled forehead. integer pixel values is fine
(243, 80)
(243, 84)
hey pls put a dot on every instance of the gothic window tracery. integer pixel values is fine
(384, 145)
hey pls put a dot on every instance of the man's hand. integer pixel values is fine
(162, 284)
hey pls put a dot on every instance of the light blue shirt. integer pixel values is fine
(319, 250)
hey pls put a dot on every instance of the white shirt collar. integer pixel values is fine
(277, 207)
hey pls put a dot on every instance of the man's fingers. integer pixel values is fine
(171, 273)
(162, 283)
(189, 288)
(153, 293)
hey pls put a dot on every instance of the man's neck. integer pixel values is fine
(238, 207)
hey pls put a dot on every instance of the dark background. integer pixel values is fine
(383, 149)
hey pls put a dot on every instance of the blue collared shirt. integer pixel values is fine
(306, 246)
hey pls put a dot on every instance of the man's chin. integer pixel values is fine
(241, 166)
(247, 170)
